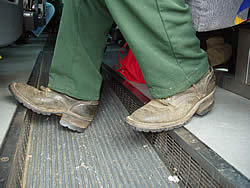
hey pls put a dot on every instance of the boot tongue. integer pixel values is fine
(42, 88)
(52, 92)
(165, 101)
(46, 90)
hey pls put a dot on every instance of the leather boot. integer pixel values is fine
(76, 114)
(173, 112)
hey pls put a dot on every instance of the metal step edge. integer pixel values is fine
(13, 151)
(15, 143)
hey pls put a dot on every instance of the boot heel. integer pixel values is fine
(73, 122)
(205, 106)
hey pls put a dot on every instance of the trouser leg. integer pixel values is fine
(81, 40)
(162, 38)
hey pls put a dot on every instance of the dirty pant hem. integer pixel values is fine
(159, 93)
(73, 94)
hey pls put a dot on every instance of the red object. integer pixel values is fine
(129, 67)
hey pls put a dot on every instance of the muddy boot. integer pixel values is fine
(173, 112)
(76, 114)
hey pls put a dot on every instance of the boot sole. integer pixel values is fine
(72, 127)
(63, 122)
(167, 126)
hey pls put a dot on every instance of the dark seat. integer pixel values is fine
(11, 20)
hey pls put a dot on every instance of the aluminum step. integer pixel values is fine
(108, 154)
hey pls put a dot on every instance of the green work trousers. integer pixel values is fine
(159, 32)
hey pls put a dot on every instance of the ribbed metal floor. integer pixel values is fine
(107, 154)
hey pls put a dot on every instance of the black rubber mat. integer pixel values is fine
(108, 154)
